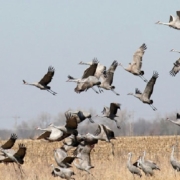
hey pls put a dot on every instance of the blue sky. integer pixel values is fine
(36, 34)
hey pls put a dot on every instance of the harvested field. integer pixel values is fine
(40, 156)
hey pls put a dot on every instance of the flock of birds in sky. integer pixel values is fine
(96, 75)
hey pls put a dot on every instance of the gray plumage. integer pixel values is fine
(50, 133)
(64, 173)
(176, 68)
(107, 78)
(133, 169)
(70, 127)
(177, 121)
(146, 169)
(175, 164)
(145, 96)
(110, 112)
(17, 157)
(150, 163)
(62, 159)
(43, 83)
(10, 142)
(99, 69)
(81, 115)
(174, 22)
(88, 79)
(84, 161)
(136, 64)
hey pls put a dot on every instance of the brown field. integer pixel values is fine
(40, 156)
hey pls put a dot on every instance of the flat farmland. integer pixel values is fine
(107, 167)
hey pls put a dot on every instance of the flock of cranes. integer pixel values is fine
(96, 75)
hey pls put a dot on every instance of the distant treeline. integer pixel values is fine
(129, 125)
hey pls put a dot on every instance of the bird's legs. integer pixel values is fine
(117, 124)
(52, 92)
(91, 120)
(143, 78)
(95, 90)
(100, 90)
(91, 174)
(112, 148)
(114, 91)
(154, 108)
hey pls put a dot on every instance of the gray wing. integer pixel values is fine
(98, 130)
(137, 57)
(44, 135)
(90, 71)
(47, 77)
(100, 70)
(20, 154)
(178, 116)
(170, 18)
(150, 85)
(10, 143)
(178, 14)
(176, 68)
(71, 121)
(113, 67)
(109, 132)
(137, 91)
(108, 78)
(114, 107)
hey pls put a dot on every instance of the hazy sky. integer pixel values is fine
(38, 33)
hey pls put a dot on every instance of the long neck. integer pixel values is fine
(52, 166)
(167, 24)
(172, 154)
(176, 51)
(129, 159)
(45, 129)
(85, 63)
(143, 156)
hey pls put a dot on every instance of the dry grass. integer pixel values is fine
(40, 156)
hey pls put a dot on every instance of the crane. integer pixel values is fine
(176, 68)
(174, 22)
(43, 83)
(107, 78)
(136, 64)
(133, 169)
(88, 80)
(50, 133)
(149, 162)
(64, 173)
(177, 122)
(111, 112)
(175, 164)
(145, 96)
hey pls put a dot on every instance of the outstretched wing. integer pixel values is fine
(98, 130)
(44, 135)
(137, 91)
(47, 77)
(68, 160)
(178, 14)
(90, 71)
(176, 68)
(137, 57)
(109, 132)
(20, 154)
(71, 121)
(178, 116)
(170, 18)
(150, 85)
(10, 143)
(114, 107)
(109, 74)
